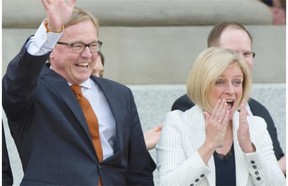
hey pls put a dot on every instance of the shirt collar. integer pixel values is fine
(86, 84)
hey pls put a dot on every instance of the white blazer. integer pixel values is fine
(179, 163)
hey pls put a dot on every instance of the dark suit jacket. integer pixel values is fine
(183, 103)
(7, 178)
(51, 134)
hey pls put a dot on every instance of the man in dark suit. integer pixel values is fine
(52, 132)
(236, 37)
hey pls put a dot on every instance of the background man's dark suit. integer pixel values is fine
(183, 103)
(52, 136)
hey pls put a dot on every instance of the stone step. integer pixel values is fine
(164, 55)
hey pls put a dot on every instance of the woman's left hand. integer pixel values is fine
(243, 133)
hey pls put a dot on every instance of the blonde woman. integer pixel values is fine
(216, 142)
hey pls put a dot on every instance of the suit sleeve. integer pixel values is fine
(140, 163)
(175, 166)
(7, 178)
(183, 103)
(259, 110)
(262, 164)
(20, 82)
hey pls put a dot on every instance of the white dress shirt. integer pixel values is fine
(107, 126)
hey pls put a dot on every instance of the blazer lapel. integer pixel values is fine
(112, 98)
(60, 85)
(196, 122)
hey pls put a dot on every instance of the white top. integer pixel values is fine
(179, 162)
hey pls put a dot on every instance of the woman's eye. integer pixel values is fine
(219, 82)
(237, 82)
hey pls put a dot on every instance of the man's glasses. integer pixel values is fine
(246, 54)
(80, 47)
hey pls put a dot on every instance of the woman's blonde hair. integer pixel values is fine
(208, 66)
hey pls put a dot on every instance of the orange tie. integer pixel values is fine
(91, 119)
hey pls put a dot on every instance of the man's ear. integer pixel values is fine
(51, 56)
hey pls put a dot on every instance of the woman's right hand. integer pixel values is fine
(216, 124)
(215, 127)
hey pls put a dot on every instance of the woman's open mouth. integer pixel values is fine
(230, 104)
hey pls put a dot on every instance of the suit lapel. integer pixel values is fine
(112, 99)
(197, 123)
(60, 85)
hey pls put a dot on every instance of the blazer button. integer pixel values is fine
(192, 184)
(258, 178)
(254, 167)
(256, 173)
(252, 162)
(99, 166)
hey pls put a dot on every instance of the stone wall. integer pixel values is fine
(156, 41)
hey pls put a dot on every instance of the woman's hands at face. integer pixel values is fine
(216, 124)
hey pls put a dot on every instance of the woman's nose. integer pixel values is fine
(230, 88)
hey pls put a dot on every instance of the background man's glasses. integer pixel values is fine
(246, 54)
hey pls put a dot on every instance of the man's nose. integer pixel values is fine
(86, 52)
